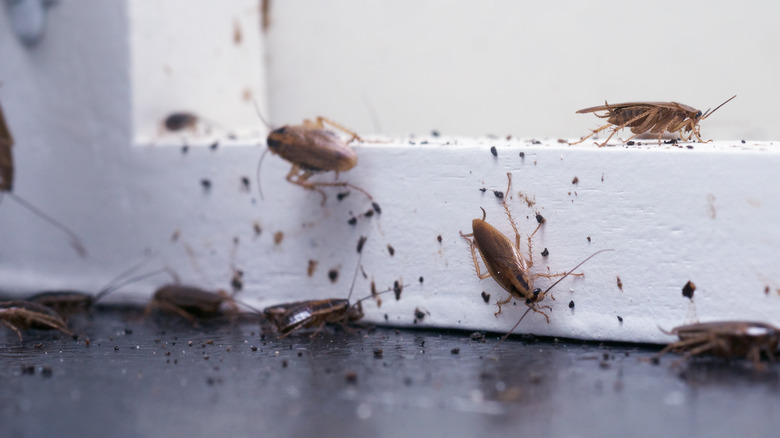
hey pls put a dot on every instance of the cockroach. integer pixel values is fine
(727, 339)
(7, 183)
(506, 263)
(180, 120)
(22, 315)
(291, 317)
(311, 149)
(653, 117)
(69, 302)
(190, 302)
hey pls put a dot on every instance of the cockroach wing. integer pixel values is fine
(637, 105)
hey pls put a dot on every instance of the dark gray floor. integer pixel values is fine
(143, 378)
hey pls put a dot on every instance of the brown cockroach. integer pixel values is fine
(7, 184)
(653, 117)
(506, 263)
(290, 317)
(180, 120)
(22, 315)
(311, 149)
(190, 302)
(6, 158)
(726, 339)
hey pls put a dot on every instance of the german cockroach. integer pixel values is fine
(726, 339)
(6, 158)
(179, 121)
(654, 117)
(7, 183)
(505, 261)
(191, 303)
(22, 315)
(290, 317)
(311, 149)
(69, 302)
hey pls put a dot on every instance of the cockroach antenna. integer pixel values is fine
(708, 113)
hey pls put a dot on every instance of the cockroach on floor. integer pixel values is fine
(311, 149)
(506, 263)
(7, 184)
(727, 339)
(291, 317)
(653, 117)
(191, 303)
(69, 302)
(22, 315)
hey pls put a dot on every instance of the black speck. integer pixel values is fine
(352, 221)
(743, 141)
(493, 151)
(206, 183)
(545, 253)
(46, 371)
(378, 352)
(397, 289)
(333, 274)
(522, 155)
(28, 370)
(540, 218)
(485, 297)
(620, 319)
(588, 238)
(421, 279)
(477, 336)
(214, 146)
(116, 348)
(631, 143)
(571, 304)
(536, 141)
(342, 195)
(688, 290)
(361, 242)
(391, 250)
(575, 180)
(376, 207)
(245, 183)
(369, 213)
(435, 133)
(351, 377)
(455, 351)
(185, 149)
(483, 190)
(284, 363)
(438, 238)
(499, 194)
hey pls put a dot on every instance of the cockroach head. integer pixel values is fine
(275, 139)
